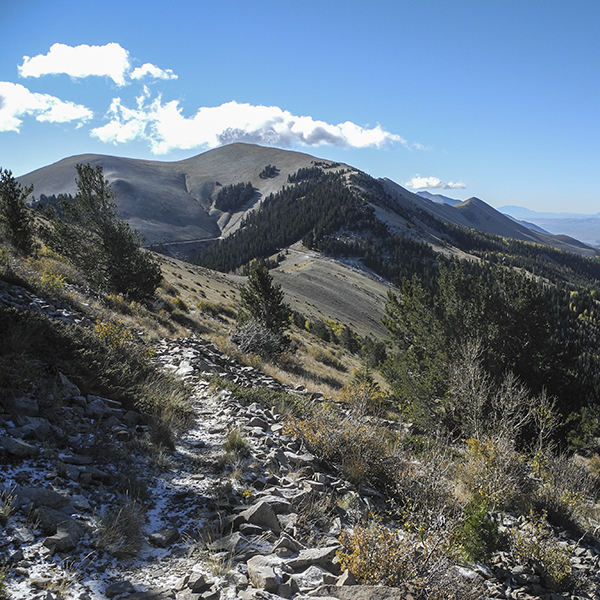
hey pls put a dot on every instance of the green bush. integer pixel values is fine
(477, 536)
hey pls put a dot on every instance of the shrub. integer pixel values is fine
(361, 449)
(169, 289)
(5, 260)
(265, 397)
(424, 489)
(328, 359)
(363, 395)
(379, 555)
(236, 443)
(568, 492)
(181, 305)
(495, 472)
(315, 518)
(6, 506)
(477, 536)
(252, 336)
(537, 546)
(52, 284)
(119, 303)
(114, 333)
(3, 578)
(215, 309)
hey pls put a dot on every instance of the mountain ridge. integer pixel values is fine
(172, 204)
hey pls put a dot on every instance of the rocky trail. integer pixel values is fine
(262, 522)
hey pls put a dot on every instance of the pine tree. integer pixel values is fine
(263, 301)
(106, 249)
(16, 220)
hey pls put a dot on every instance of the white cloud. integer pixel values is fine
(110, 60)
(165, 128)
(153, 71)
(16, 102)
(419, 182)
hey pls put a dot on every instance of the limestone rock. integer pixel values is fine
(313, 556)
(359, 592)
(36, 497)
(118, 588)
(67, 387)
(25, 406)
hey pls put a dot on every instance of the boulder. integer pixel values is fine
(359, 592)
(36, 497)
(61, 541)
(96, 408)
(118, 588)
(261, 572)
(17, 448)
(67, 388)
(312, 578)
(164, 537)
(262, 514)
(277, 503)
(51, 519)
(313, 556)
(25, 406)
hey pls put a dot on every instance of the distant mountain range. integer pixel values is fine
(583, 227)
(580, 226)
(175, 204)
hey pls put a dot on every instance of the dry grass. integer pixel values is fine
(120, 532)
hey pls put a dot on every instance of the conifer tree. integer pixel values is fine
(263, 301)
(106, 249)
(16, 220)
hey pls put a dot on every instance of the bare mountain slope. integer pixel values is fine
(172, 201)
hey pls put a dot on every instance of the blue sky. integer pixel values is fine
(497, 99)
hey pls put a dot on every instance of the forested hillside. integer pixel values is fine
(514, 308)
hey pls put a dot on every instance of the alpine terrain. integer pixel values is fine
(259, 374)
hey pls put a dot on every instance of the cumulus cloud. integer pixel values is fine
(165, 128)
(418, 182)
(16, 102)
(153, 71)
(110, 60)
